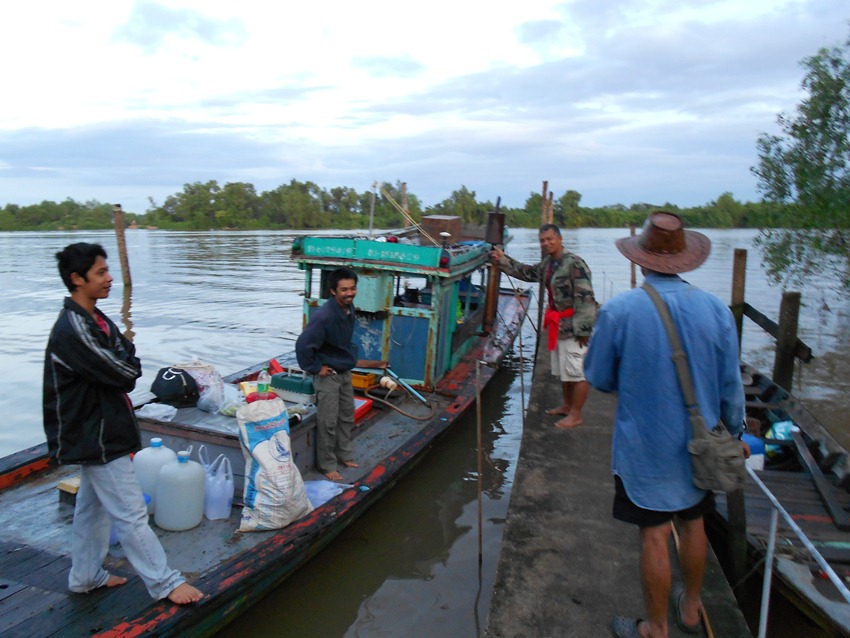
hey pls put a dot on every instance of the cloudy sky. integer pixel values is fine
(622, 100)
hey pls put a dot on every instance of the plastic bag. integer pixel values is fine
(320, 492)
(274, 494)
(210, 384)
(233, 400)
(781, 431)
(157, 411)
(213, 399)
(218, 489)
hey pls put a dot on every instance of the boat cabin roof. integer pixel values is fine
(425, 250)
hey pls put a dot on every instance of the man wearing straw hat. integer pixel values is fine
(630, 354)
(569, 317)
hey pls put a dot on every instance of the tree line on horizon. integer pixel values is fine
(307, 206)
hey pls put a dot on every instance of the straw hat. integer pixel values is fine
(665, 246)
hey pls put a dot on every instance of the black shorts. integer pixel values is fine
(625, 510)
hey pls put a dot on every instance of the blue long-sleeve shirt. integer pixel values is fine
(327, 339)
(630, 354)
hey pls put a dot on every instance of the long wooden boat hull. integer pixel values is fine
(816, 498)
(233, 569)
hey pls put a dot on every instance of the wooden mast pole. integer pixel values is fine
(404, 204)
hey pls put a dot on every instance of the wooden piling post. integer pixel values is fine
(543, 216)
(739, 280)
(632, 266)
(118, 219)
(786, 340)
(495, 236)
(541, 288)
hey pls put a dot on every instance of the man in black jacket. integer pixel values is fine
(89, 367)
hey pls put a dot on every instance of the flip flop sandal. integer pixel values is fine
(676, 596)
(622, 627)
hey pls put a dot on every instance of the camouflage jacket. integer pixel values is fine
(571, 288)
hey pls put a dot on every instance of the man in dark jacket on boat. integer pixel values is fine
(89, 367)
(570, 313)
(325, 349)
(630, 354)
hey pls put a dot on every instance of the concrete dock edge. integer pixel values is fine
(566, 567)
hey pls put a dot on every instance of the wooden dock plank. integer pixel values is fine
(825, 490)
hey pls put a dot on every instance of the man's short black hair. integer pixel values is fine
(338, 275)
(77, 258)
(551, 227)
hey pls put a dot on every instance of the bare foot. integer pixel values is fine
(115, 581)
(561, 409)
(350, 463)
(569, 422)
(333, 476)
(184, 594)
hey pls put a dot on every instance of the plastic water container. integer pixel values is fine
(756, 460)
(180, 494)
(147, 463)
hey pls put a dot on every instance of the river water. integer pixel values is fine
(410, 565)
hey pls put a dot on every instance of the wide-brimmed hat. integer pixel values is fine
(665, 246)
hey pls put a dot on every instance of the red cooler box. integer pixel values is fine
(361, 407)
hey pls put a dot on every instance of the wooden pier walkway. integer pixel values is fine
(566, 566)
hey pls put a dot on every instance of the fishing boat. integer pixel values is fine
(806, 469)
(432, 319)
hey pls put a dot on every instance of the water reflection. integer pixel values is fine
(409, 566)
(126, 314)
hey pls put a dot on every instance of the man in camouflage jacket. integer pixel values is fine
(569, 317)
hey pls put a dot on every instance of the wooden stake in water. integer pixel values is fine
(118, 219)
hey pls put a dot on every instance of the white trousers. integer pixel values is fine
(109, 494)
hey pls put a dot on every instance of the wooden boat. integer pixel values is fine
(807, 471)
(434, 313)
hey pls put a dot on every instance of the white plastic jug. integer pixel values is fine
(218, 495)
(179, 494)
(147, 463)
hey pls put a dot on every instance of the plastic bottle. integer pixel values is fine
(264, 381)
(147, 463)
(180, 494)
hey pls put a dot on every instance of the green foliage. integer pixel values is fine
(807, 169)
(566, 212)
(66, 215)
(305, 205)
(462, 203)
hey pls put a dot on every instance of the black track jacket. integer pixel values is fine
(88, 418)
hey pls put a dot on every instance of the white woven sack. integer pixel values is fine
(274, 494)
